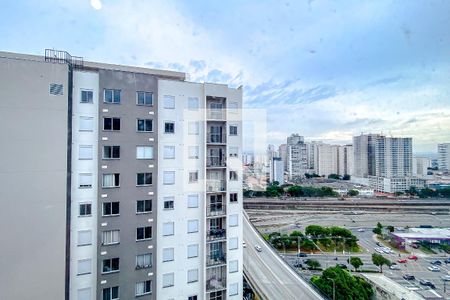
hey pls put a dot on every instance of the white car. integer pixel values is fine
(258, 248)
(434, 269)
(446, 277)
(361, 230)
(394, 267)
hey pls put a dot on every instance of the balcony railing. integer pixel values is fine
(216, 234)
(214, 161)
(216, 209)
(215, 283)
(215, 185)
(216, 259)
(215, 138)
(215, 114)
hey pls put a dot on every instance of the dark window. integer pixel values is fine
(111, 208)
(143, 233)
(144, 98)
(110, 265)
(233, 197)
(143, 206)
(233, 130)
(111, 152)
(56, 89)
(111, 124)
(87, 96)
(144, 178)
(168, 204)
(85, 209)
(111, 293)
(192, 297)
(233, 175)
(111, 180)
(145, 125)
(169, 127)
(112, 96)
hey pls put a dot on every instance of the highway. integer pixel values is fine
(269, 275)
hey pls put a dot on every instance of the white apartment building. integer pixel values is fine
(297, 157)
(420, 166)
(345, 157)
(200, 194)
(326, 159)
(277, 170)
(444, 156)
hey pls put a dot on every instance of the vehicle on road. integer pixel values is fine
(412, 257)
(434, 269)
(447, 260)
(379, 244)
(297, 264)
(394, 267)
(342, 266)
(244, 245)
(258, 248)
(361, 230)
(409, 277)
(436, 263)
(301, 254)
(446, 277)
(427, 283)
(402, 261)
(415, 246)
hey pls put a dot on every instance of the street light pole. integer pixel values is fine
(334, 288)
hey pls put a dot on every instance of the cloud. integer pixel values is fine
(96, 4)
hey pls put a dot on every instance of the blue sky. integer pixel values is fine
(325, 69)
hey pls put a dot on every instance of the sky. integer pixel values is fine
(327, 70)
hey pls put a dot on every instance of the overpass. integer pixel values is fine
(270, 276)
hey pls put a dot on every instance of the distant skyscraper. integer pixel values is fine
(345, 157)
(326, 161)
(282, 151)
(277, 170)
(420, 166)
(364, 155)
(297, 156)
(444, 156)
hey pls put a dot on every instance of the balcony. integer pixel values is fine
(216, 114)
(216, 234)
(216, 279)
(215, 138)
(216, 162)
(216, 259)
(216, 209)
(215, 185)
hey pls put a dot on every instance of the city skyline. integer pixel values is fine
(331, 69)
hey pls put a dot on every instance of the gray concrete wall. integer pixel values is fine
(128, 192)
(33, 170)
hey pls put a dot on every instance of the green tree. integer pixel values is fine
(346, 177)
(379, 225)
(353, 193)
(334, 176)
(317, 231)
(379, 261)
(356, 262)
(295, 191)
(274, 190)
(377, 230)
(390, 228)
(345, 285)
(313, 264)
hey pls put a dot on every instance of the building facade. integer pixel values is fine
(443, 156)
(297, 157)
(420, 166)
(137, 182)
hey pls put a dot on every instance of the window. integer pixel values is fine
(168, 254)
(233, 175)
(192, 297)
(111, 180)
(144, 125)
(233, 130)
(144, 152)
(168, 202)
(56, 89)
(169, 101)
(110, 265)
(84, 267)
(192, 226)
(233, 197)
(193, 103)
(84, 294)
(169, 177)
(143, 233)
(234, 289)
(233, 243)
(143, 288)
(168, 280)
(85, 152)
(169, 152)
(233, 220)
(111, 293)
(87, 96)
(143, 261)
(143, 206)
(193, 176)
(86, 124)
(111, 152)
(112, 96)
(111, 124)
(233, 266)
(168, 228)
(192, 275)
(192, 251)
(85, 180)
(110, 237)
(110, 209)
(144, 98)
(192, 201)
(143, 179)
(193, 128)
(234, 151)
(84, 237)
(85, 209)
(169, 127)
(193, 152)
